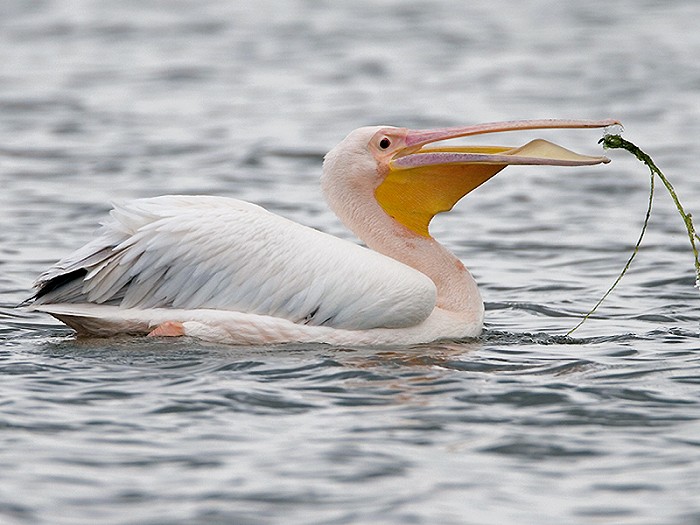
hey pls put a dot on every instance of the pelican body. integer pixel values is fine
(228, 271)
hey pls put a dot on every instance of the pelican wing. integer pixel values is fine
(189, 252)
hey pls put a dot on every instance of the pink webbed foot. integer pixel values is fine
(168, 329)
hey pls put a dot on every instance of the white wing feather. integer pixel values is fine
(188, 252)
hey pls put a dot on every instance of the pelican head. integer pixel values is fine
(412, 179)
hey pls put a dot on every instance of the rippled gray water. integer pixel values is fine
(113, 100)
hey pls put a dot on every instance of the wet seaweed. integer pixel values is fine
(614, 141)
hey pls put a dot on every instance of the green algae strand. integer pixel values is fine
(613, 141)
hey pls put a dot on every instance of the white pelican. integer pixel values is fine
(228, 271)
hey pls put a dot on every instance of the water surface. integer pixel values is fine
(115, 100)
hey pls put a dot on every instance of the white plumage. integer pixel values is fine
(194, 253)
(229, 271)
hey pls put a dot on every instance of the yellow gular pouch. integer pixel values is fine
(414, 194)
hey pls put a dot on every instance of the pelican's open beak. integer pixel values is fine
(424, 180)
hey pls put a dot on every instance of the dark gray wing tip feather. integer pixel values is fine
(54, 283)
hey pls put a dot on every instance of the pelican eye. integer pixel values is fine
(384, 143)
